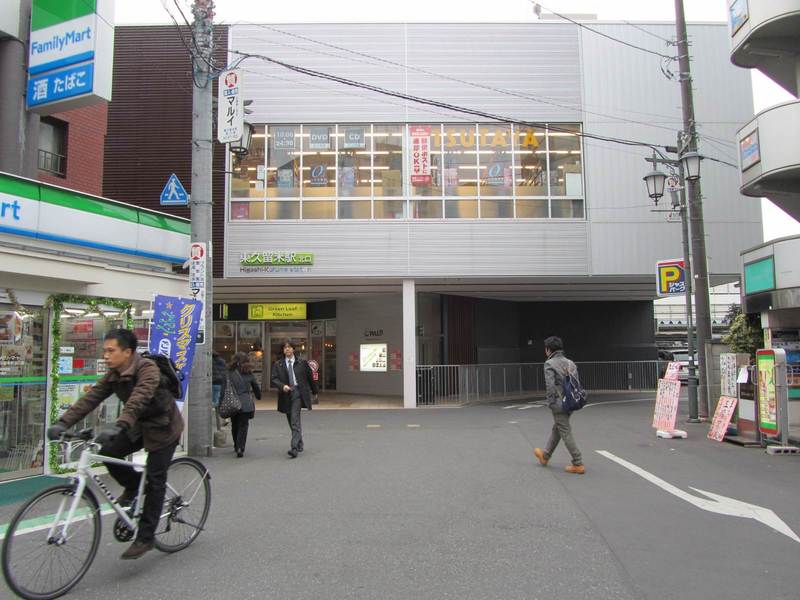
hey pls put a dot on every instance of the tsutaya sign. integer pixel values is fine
(71, 54)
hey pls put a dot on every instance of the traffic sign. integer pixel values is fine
(174, 194)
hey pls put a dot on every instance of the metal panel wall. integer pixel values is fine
(419, 249)
(623, 85)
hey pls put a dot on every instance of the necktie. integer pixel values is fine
(292, 380)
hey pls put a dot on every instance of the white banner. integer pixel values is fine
(230, 107)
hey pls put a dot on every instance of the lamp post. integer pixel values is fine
(656, 182)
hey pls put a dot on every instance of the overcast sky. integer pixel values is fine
(765, 92)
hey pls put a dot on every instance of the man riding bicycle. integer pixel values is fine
(149, 418)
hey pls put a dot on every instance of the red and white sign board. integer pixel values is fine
(314, 369)
(198, 260)
(673, 370)
(420, 154)
(722, 418)
(666, 412)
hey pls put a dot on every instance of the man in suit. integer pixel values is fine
(292, 377)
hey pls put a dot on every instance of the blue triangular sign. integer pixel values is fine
(174, 194)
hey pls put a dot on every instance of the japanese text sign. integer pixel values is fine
(230, 107)
(420, 155)
(670, 277)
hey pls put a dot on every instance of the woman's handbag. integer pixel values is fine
(230, 404)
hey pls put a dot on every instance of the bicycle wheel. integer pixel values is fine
(37, 566)
(186, 505)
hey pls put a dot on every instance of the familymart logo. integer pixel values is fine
(61, 43)
(62, 34)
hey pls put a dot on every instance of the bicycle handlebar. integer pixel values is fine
(84, 434)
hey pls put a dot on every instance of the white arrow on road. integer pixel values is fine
(721, 505)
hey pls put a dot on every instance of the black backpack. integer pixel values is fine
(574, 394)
(171, 377)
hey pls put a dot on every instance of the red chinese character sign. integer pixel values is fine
(420, 155)
(666, 412)
(722, 418)
(673, 371)
(230, 107)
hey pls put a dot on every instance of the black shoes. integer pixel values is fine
(127, 497)
(292, 453)
(136, 550)
(239, 454)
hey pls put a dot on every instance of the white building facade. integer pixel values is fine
(432, 236)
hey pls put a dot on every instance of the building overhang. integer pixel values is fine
(764, 37)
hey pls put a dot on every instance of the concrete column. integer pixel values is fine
(409, 344)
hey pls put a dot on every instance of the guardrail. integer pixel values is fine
(455, 385)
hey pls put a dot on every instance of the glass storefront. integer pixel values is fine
(263, 341)
(372, 171)
(23, 392)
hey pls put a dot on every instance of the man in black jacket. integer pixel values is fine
(294, 380)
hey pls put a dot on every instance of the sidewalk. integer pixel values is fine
(336, 401)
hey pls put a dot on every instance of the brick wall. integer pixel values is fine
(86, 134)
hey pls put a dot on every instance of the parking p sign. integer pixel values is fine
(670, 277)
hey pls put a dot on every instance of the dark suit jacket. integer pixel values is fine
(302, 375)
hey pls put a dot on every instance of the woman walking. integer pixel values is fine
(240, 376)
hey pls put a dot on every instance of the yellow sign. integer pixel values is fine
(287, 311)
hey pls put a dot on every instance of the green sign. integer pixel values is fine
(767, 393)
(759, 276)
(45, 13)
(277, 259)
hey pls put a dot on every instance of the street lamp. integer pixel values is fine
(691, 165)
(655, 181)
(241, 147)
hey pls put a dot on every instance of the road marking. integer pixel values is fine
(413, 426)
(718, 504)
(512, 406)
(45, 522)
(513, 422)
(373, 426)
(527, 406)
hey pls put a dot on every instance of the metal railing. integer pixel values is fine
(455, 385)
(52, 163)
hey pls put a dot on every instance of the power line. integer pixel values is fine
(655, 35)
(444, 105)
(369, 57)
(605, 35)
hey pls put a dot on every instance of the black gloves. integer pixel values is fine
(107, 436)
(54, 431)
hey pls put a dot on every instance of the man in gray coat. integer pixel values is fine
(556, 367)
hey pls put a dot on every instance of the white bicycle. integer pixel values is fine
(53, 538)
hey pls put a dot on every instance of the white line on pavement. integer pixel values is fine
(718, 504)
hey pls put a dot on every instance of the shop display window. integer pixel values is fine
(367, 171)
(496, 172)
(248, 174)
(23, 392)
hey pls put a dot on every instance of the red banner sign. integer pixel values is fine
(722, 418)
(666, 404)
(420, 155)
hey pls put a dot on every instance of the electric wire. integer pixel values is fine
(368, 57)
(451, 107)
(655, 35)
(605, 35)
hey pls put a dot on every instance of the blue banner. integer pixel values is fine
(59, 85)
(173, 331)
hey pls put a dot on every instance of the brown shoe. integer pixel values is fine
(136, 550)
(537, 452)
(577, 469)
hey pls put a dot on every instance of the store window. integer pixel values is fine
(460, 160)
(248, 179)
(23, 392)
(530, 164)
(283, 172)
(387, 168)
(565, 165)
(53, 146)
(495, 169)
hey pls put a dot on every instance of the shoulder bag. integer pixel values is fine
(230, 404)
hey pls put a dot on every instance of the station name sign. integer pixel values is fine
(276, 258)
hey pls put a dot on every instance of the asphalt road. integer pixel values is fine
(450, 503)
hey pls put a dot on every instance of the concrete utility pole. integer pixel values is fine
(19, 128)
(199, 430)
(695, 204)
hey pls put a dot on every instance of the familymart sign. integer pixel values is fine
(70, 55)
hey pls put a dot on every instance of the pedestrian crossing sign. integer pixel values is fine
(174, 194)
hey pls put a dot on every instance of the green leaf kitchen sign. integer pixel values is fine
(276, 258)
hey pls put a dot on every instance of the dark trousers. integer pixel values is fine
(240, 423)
(155, 486)
(562, 430)
(293, 416)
